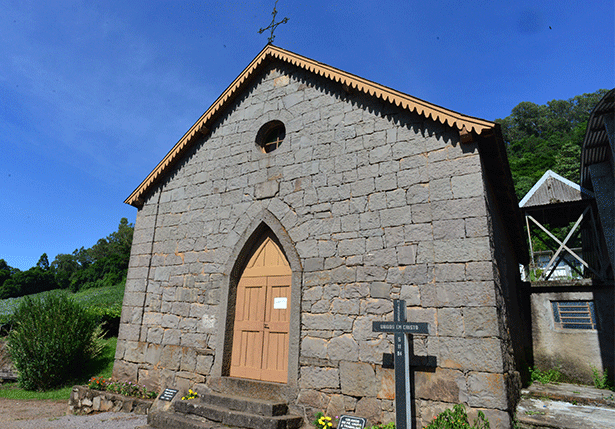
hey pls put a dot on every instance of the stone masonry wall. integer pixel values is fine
(379, 204)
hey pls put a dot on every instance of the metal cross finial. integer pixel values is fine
(273, 24)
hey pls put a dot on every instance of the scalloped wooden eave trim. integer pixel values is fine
(465, 124)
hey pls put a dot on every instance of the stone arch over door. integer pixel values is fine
(265, 233)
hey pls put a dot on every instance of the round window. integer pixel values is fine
(270, 136)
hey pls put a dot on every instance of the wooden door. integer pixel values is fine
(262, 316)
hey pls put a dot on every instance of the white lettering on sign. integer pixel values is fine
(280, 303)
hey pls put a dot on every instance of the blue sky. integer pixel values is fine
(94, 94)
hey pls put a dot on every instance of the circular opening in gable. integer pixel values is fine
(270, 136)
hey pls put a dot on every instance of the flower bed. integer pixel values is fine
(84, 400)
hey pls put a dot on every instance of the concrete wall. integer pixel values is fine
(573, 351)
(371, 204)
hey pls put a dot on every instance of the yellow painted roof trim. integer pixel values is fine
(465, 124)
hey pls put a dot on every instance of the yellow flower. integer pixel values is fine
(330, 424)
(328, 418)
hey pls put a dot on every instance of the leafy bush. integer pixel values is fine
(552, 375)
(53, 338)
(601, 378)
(458, 419)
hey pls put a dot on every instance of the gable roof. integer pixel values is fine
(465, 124)
(552, 189)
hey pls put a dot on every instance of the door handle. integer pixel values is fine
(266, 326)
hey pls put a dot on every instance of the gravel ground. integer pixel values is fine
(18, 414)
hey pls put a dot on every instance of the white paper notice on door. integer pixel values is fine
(280, 303)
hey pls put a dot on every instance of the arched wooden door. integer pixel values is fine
(262, 316)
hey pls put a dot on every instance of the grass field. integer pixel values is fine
(99, 297)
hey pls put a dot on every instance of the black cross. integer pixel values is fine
(273, 24)
(404, 378)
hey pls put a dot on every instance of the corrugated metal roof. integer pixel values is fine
(553, 189)
(596, 145)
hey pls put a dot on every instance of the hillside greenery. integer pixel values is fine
(547, 137)
(102, 265)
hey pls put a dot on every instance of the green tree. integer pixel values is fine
(6, 271)
(43, 262)
(549, 136)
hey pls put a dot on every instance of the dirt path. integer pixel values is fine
(48, 414)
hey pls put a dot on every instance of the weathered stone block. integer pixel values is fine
(487, 390)
(134, 351)
(345, 306)
(362, 328)
(410, 294)
(481, 321)
(371, 409)
(465, 294)
(440, 385)
(380, 290)
(386, 382)
(376, 306)
(450, 322)
(319, 378)
(449, 229)
(468, 185)
(343, 347)
(483, 354)
(336, 406)
(371, 351)
(357, 379)
(479, 270)
(170, 357)
(462, 250)
(450, 272)
(152, 354)
(314, 347)
(313, 398)
(266, 189)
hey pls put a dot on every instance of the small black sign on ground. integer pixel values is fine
(168, 394)
(351, 422)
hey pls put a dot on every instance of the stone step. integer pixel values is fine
(222, 414)
(534, 413)
(157, 419)
(259, 407)
(573, 393)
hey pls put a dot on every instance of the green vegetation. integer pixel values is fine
(458, 419)
(547, 137)
(126, 388)
(105, 303)
(102, 366)
(322, 421)
(53, 340)
(389, 425)
(601, 378)
(104, 264)
(552, 375)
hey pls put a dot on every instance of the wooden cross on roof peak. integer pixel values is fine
(273, 24)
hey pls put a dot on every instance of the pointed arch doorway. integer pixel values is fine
(262, 315)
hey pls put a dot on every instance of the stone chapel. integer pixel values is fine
(287, 219)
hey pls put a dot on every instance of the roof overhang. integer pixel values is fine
(598, 146)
